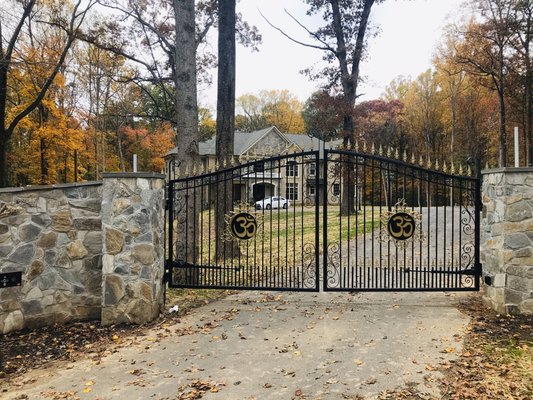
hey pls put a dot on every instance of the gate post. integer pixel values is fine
(507, 239)
(133, 219)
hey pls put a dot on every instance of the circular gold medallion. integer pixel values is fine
(243, 226)
(401, 226)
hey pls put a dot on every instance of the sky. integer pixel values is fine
(409, 34)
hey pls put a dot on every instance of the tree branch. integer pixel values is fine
(291, 38)
(310, 32)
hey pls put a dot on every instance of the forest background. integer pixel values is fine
(84, 85)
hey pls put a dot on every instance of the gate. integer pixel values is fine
(334, 220)
(398, 227)
(251, 226)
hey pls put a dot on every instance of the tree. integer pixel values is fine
(379, 122)
(485, 54)
(342, 40)
(522, 29)
(423, 113)
(270, 107)
(226, 81)
(322, 115)
(15, 29)
(450, 77)
(225, 127)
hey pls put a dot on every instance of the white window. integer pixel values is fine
(291, 191)
(336, 189)
(291, 168)
(312, 169)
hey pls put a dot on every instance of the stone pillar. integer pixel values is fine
(133, 249)
(507, 239)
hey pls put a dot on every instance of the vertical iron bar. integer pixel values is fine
(325, 223)
(477, 212)
(171, 254)
(317, 219)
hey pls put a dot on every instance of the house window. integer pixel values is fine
(311, 190)
(291, 168)
(336, 189)
(259, 166)
(312, 169)
(291, 191)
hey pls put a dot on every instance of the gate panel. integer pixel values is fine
(393, 226)
(252, 226)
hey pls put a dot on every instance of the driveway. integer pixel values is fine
(273, 345)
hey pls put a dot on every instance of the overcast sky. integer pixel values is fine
(409, 34)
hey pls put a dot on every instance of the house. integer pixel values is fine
(287, 177)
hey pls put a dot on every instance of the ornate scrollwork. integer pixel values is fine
(467, 216)
(333, 179)
(309, 260)
(333, 264)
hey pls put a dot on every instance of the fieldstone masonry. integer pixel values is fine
(133, 230)
(86, 251)
(507, 239)
(53, 235)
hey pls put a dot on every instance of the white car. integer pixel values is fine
(272, 202)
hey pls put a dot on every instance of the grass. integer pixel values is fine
(283, 248)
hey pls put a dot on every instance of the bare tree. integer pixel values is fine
(342, 40)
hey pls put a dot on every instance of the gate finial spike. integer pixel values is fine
(486, 165)
(461, 172)
(429, 162)
(396, 154)
(437, 166)
(404, 155)
(389, 151)
(356, 146)
(469, 171)
(452, 169)
(380, 150)
(413, 160)
(421, 161)
(373, 149)
(364, 146)
(445, 167)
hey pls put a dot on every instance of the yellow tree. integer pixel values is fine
(423, 114)
(270, 107)
(18, 21)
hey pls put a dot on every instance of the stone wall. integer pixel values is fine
(133, 222)
(72, 269)
(507, 239)
(52, 234)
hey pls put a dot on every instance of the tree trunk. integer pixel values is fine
(347, 172)
(225, 122)
(3, 164)
(186, 133)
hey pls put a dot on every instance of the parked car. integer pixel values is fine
(269, 203)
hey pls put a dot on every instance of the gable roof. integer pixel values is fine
(244, 141)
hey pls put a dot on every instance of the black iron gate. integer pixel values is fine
(251, 226)
(332, 220)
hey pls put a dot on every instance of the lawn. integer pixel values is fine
(284, 248)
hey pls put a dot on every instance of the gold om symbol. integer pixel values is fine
(243, 226)
(401, 226)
